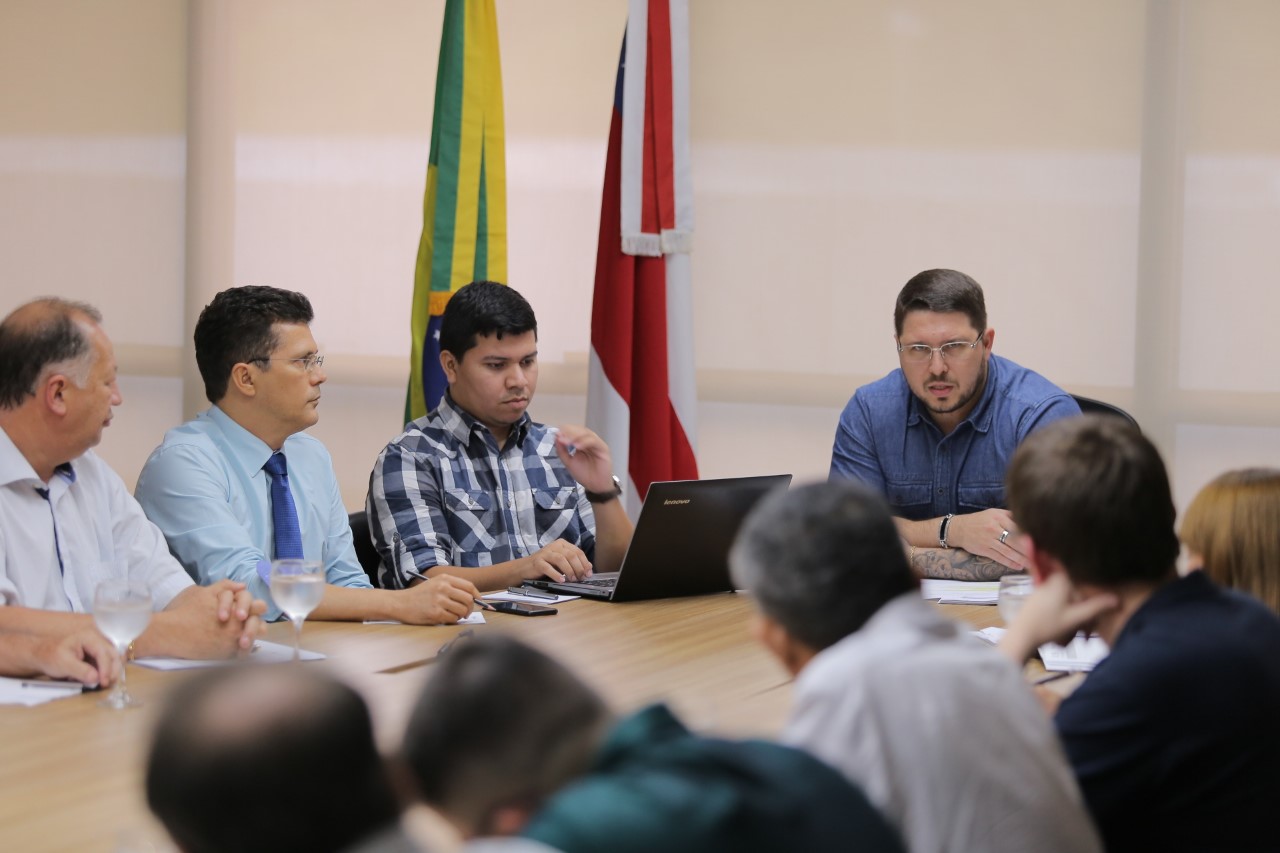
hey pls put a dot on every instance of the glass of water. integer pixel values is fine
(1014, 591)
(297, 587)
(121, 610)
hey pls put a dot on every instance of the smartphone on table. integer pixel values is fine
(522, 608)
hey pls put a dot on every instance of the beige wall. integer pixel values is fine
(838, 149)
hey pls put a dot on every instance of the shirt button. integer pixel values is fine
(940, 491)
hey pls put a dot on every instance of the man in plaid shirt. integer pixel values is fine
(478, 489)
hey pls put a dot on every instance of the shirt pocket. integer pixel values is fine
(909, 500)
(471, 520)
(554, 510)
(976, 497)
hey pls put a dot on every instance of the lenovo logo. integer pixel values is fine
(675, 502)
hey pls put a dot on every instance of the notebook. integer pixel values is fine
(681, 543)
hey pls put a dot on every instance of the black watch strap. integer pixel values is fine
(605, 497)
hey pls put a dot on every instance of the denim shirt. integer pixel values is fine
(887, 440)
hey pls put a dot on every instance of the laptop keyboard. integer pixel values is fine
(603, 583)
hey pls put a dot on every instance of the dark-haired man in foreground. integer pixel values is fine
(243, 483)
(1173, 737)
(267, 758)
(504, 740)
(938, 729)
(934, 436)
(477, 488)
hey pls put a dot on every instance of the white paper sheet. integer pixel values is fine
(32, 691)
(264, 651)
(1082, 654)
(515, 596)
(474, 618)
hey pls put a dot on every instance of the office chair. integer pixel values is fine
(1090, 406)
(365, 552)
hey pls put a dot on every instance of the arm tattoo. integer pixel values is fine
(956, 564)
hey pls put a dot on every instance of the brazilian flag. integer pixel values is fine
(464, 211)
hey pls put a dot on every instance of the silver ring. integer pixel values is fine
(1004, 536)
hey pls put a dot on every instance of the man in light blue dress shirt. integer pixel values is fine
(934, 436)
(209, 485)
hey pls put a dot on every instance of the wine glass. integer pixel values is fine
(297, 587)
(1014, 591)
(121, 610)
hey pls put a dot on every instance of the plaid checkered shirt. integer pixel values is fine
(444, 494)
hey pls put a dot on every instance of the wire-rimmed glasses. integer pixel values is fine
(955, 352)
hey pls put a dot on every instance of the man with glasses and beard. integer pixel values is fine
(935, 435)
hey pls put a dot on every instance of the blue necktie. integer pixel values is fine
(284, 515)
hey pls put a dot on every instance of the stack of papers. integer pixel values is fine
(960, 592)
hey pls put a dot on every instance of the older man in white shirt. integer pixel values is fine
(66, 520)
(937, 727)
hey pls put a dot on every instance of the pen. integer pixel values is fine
(483, 605)
(530, 592)
(58, 685)
(1053, 676)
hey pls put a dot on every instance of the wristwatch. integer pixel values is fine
(605, 497)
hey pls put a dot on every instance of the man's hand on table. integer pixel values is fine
(206, 623)
(439, 600)
(990, 533)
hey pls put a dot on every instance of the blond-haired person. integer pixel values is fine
(1232, 532)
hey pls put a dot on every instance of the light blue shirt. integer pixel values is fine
(204, 487)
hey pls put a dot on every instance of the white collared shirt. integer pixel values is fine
(942, 734)
(57, 546)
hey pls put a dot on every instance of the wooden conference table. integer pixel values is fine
(71, 772)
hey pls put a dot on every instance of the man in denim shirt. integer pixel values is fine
(479, 490)
(934, 436)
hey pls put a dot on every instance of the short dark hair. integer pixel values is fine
(484, 308)
(821, 559)
(304, 741)
(237, 326)
(1093, 492)
(499, 724)
(39, 335)
(943, 292)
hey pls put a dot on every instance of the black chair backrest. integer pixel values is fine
(1090, 406)
(365, 552)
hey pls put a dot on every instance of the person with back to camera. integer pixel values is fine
(1173, 736)
(505, 741)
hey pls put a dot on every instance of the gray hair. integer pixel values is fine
(42, 338)
(821, 559)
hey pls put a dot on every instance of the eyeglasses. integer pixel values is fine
(956, 352)
(308, 362)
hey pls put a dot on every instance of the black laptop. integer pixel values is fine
(681, 542)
